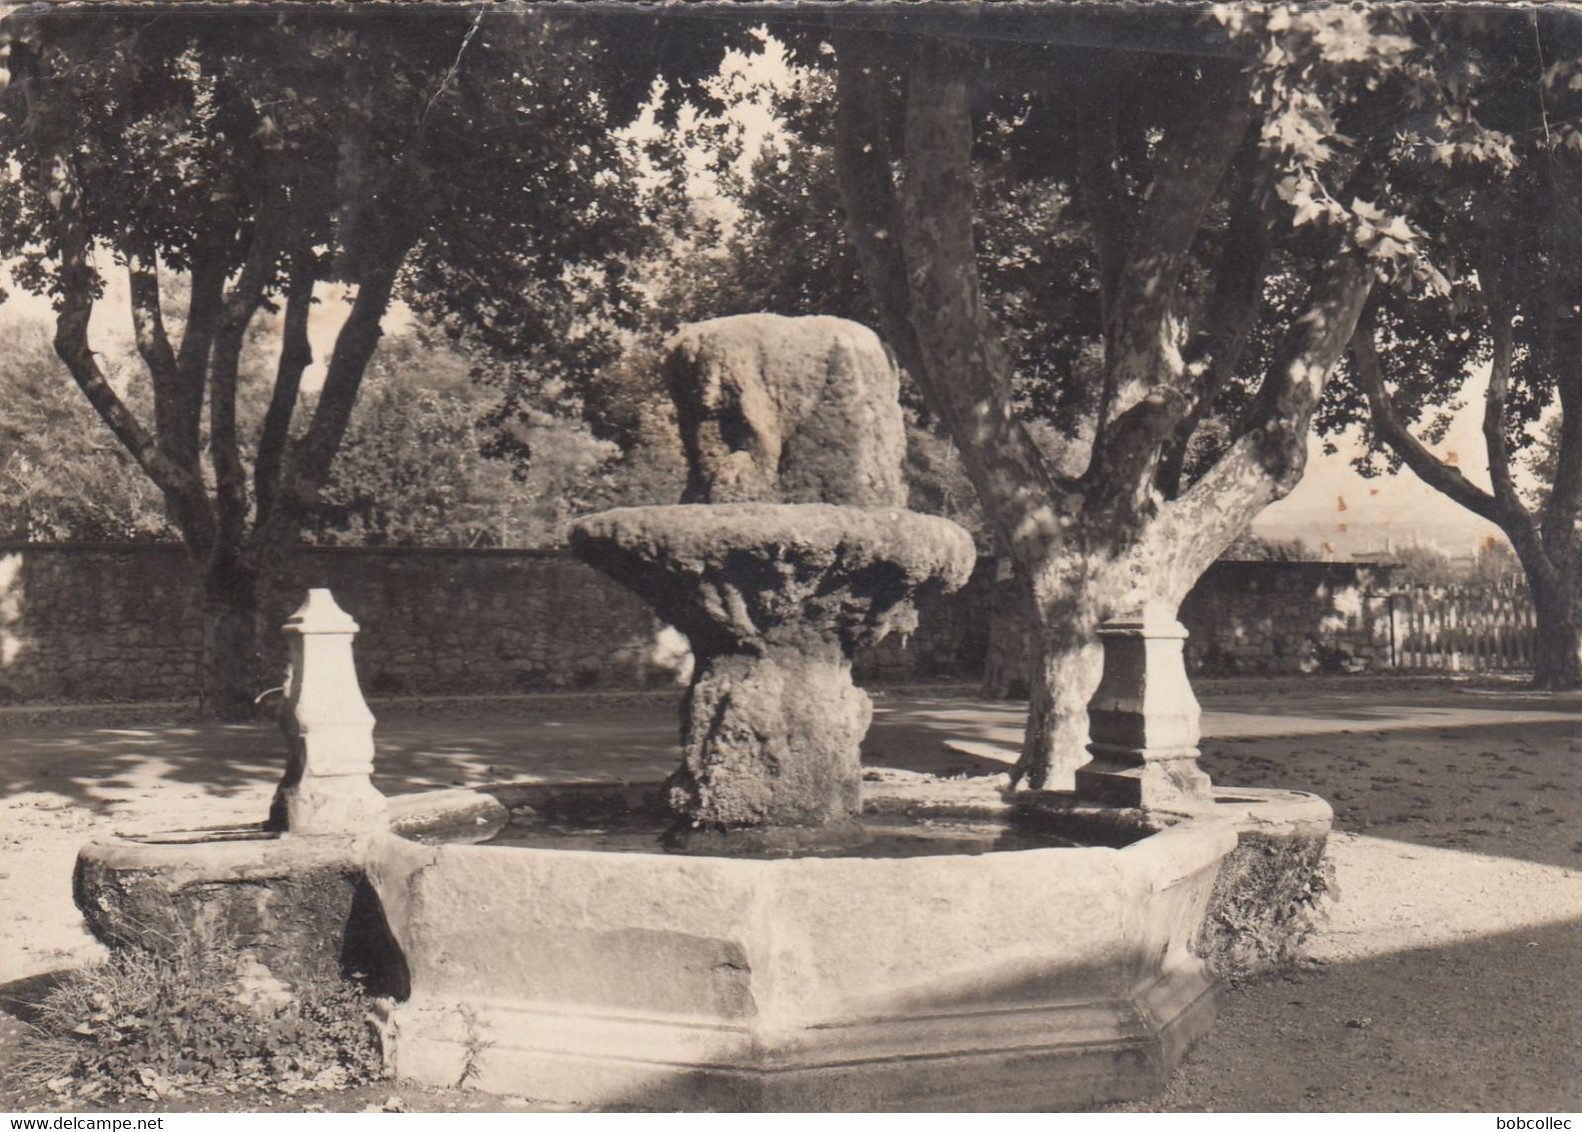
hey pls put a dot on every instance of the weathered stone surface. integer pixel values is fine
(730, 576)
(1047, 978)
(106, 623)
(775, 598)
(301, 906)
(328, 785)
(438, 622)
(1144, 720)
(787, 410)
(771, 739)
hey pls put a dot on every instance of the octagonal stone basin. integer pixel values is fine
(1029, 979)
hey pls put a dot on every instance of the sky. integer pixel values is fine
(1334, 505)
(111, 326)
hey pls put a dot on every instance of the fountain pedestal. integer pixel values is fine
(774, 599)
(1144, 721)
(771, 739)
(328, 785)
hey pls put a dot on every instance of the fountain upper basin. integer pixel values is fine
(725, 574)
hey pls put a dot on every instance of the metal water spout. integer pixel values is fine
(328, 786)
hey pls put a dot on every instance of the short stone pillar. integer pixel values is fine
(1143, 722)
(328, 786)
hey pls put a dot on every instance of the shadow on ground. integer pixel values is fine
(1460, 816)
(1490, 1025)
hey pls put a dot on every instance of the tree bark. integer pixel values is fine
(296, 354)
(1008, 660)
(1066, 662)
(1557, 657)
(231, 669)
(241, 304)
(1106, 545)
(917, 251)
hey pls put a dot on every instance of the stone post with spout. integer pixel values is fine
(328, 786)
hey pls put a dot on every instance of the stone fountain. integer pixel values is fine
(766, 929)
(797, 551)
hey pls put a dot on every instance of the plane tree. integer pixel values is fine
(1498, 172)
(1212, 162)
(262, 155)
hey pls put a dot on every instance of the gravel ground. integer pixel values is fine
(1447, 976)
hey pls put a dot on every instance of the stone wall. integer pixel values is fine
(87, 623)
(91, 623)
(105, 622)
(1254, 618)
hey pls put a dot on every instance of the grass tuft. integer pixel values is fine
(1265, 905)
(201, 1016)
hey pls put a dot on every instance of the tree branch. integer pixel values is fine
(1099, 190)
(1268, 456)
(153, 346)
(311, 458)
(1503, 507)
(1142, 347)
(917, 257)
(1390, 428)
(966, 371)
(241, 304)
(873, 219)
(296, 354)
(210, 266)
(79, 283)
(1497, 309)
(1232, 312)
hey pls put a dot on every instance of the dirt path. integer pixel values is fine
(1448, 975)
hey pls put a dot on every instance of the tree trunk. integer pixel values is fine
(1104, 545)
(1065, 674)
(231, 672)
(1012, 630)
(1071, 600)
(1557, 657)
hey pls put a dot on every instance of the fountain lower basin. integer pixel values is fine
(1037, 978)
(847, 975)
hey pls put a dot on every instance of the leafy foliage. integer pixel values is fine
(63, 477)
(411, 470)
(443, 153)
(1493, 162)
(203, 1018)
(1266, 904)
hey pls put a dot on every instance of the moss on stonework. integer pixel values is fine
(1264, 905)
(312, 920)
